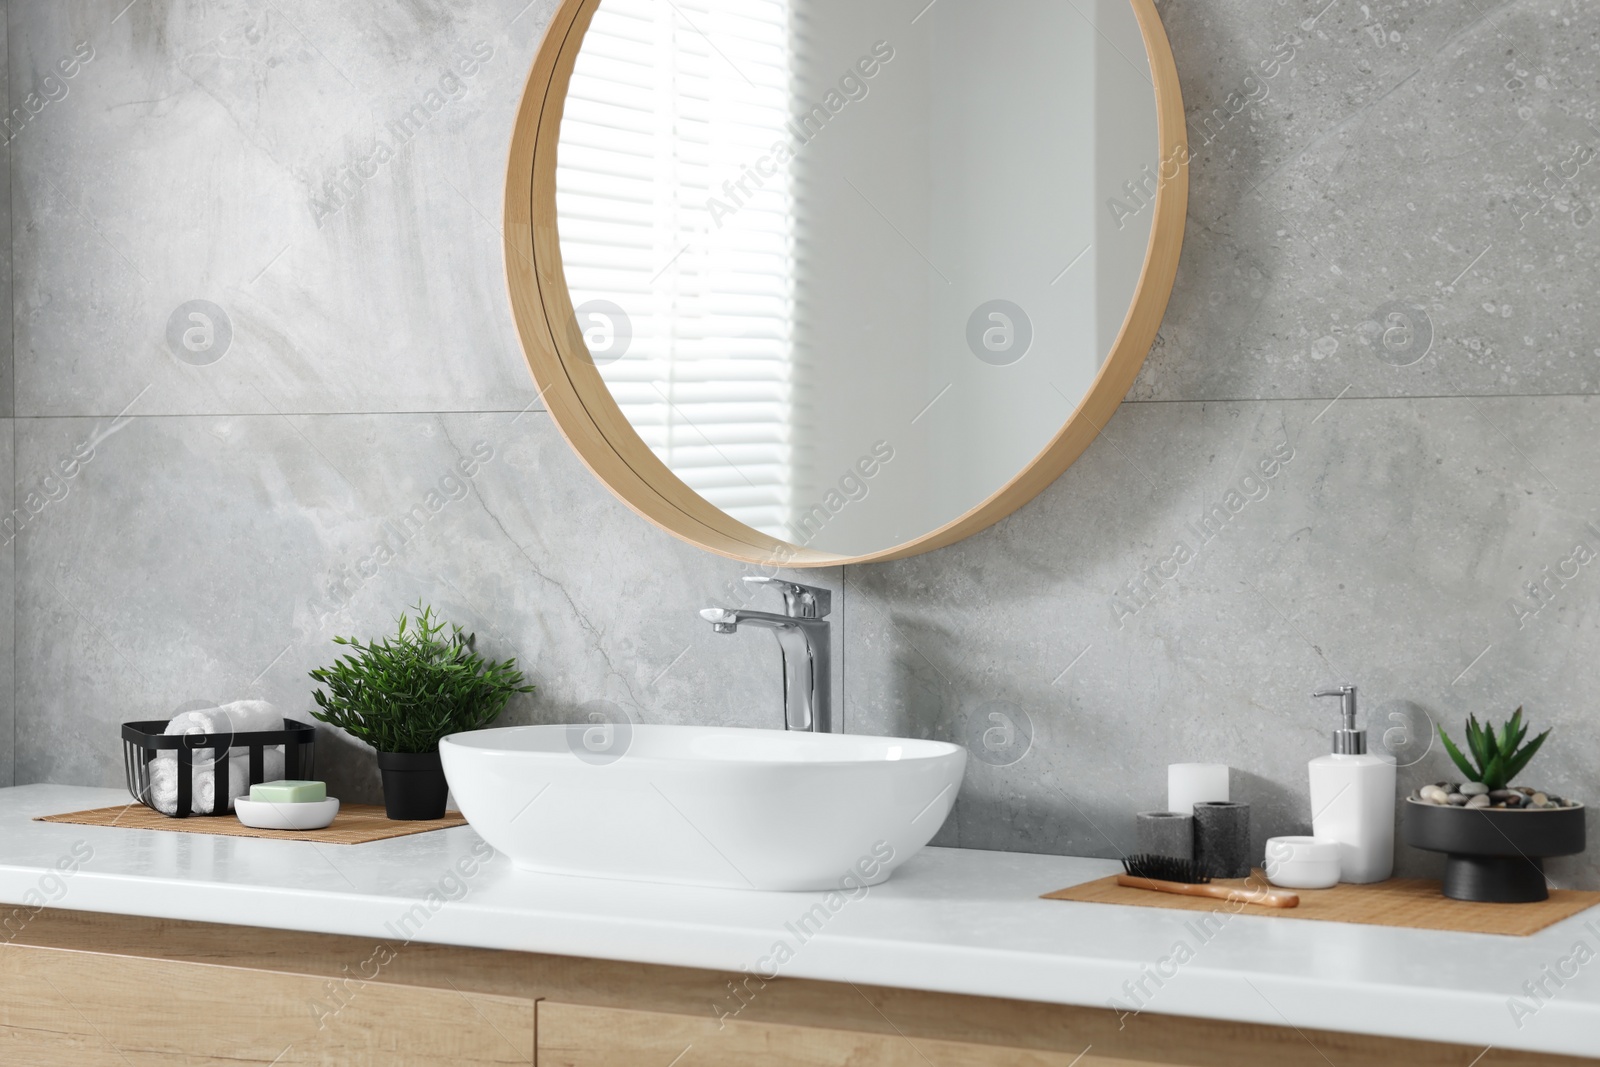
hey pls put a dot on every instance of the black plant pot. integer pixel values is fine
(1495, 855)
(413, 785)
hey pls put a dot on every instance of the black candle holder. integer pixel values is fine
(1222, 838)
(1165, 833)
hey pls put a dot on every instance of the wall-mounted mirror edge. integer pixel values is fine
(591, 420)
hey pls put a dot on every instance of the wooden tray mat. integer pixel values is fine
(355, 824)
(1412, 902)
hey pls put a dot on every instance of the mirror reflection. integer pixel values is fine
(847, 268)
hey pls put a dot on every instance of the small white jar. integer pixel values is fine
(1302, 862)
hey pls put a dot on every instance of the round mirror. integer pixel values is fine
(815, 281)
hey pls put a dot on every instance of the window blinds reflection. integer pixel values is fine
(663, 215)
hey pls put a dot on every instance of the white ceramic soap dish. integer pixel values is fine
(272, 815)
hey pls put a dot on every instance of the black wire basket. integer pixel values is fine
(141, 741)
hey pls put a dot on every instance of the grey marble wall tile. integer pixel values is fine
(7, 440)
(212, 558)
(7, 376)
(8, 628)
(1384, 550)
(1433, 160)
(332, 189)
(1261, 82)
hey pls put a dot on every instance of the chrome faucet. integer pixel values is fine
(803, 640)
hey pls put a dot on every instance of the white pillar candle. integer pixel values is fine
(1192, 783)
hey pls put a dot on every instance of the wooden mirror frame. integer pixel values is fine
(583, 408)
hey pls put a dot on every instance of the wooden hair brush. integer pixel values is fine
(1165, 874)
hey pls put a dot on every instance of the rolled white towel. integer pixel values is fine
(164, 786)
(191, 722)
(247, 716)
(240, 716)
(203, 780)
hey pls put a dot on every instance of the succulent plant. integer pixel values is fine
(1499, 758)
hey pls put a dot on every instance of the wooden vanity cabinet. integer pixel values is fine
(84, 989)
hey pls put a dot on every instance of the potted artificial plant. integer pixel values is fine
(1496, 836)
(403, 693)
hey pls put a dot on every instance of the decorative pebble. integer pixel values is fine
(1476, 795)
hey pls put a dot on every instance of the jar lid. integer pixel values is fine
(1316, 849)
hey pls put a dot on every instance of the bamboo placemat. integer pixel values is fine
(355, 824)
(1412, 902)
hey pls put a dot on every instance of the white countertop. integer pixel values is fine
(951, 920)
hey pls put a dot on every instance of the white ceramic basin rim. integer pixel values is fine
(700, 805)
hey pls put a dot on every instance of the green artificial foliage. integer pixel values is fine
(405, 692)
(1498, 758)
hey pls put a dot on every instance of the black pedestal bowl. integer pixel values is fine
(1495, 854)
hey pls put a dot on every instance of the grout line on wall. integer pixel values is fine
(1404, 396)
(543, 411)
(288, 414)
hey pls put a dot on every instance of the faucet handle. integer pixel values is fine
(800, 601)
(721, 620)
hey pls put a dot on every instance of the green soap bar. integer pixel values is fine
(289, 792)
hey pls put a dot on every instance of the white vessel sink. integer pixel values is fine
(708, 806)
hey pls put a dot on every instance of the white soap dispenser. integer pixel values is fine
(1352, 799)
